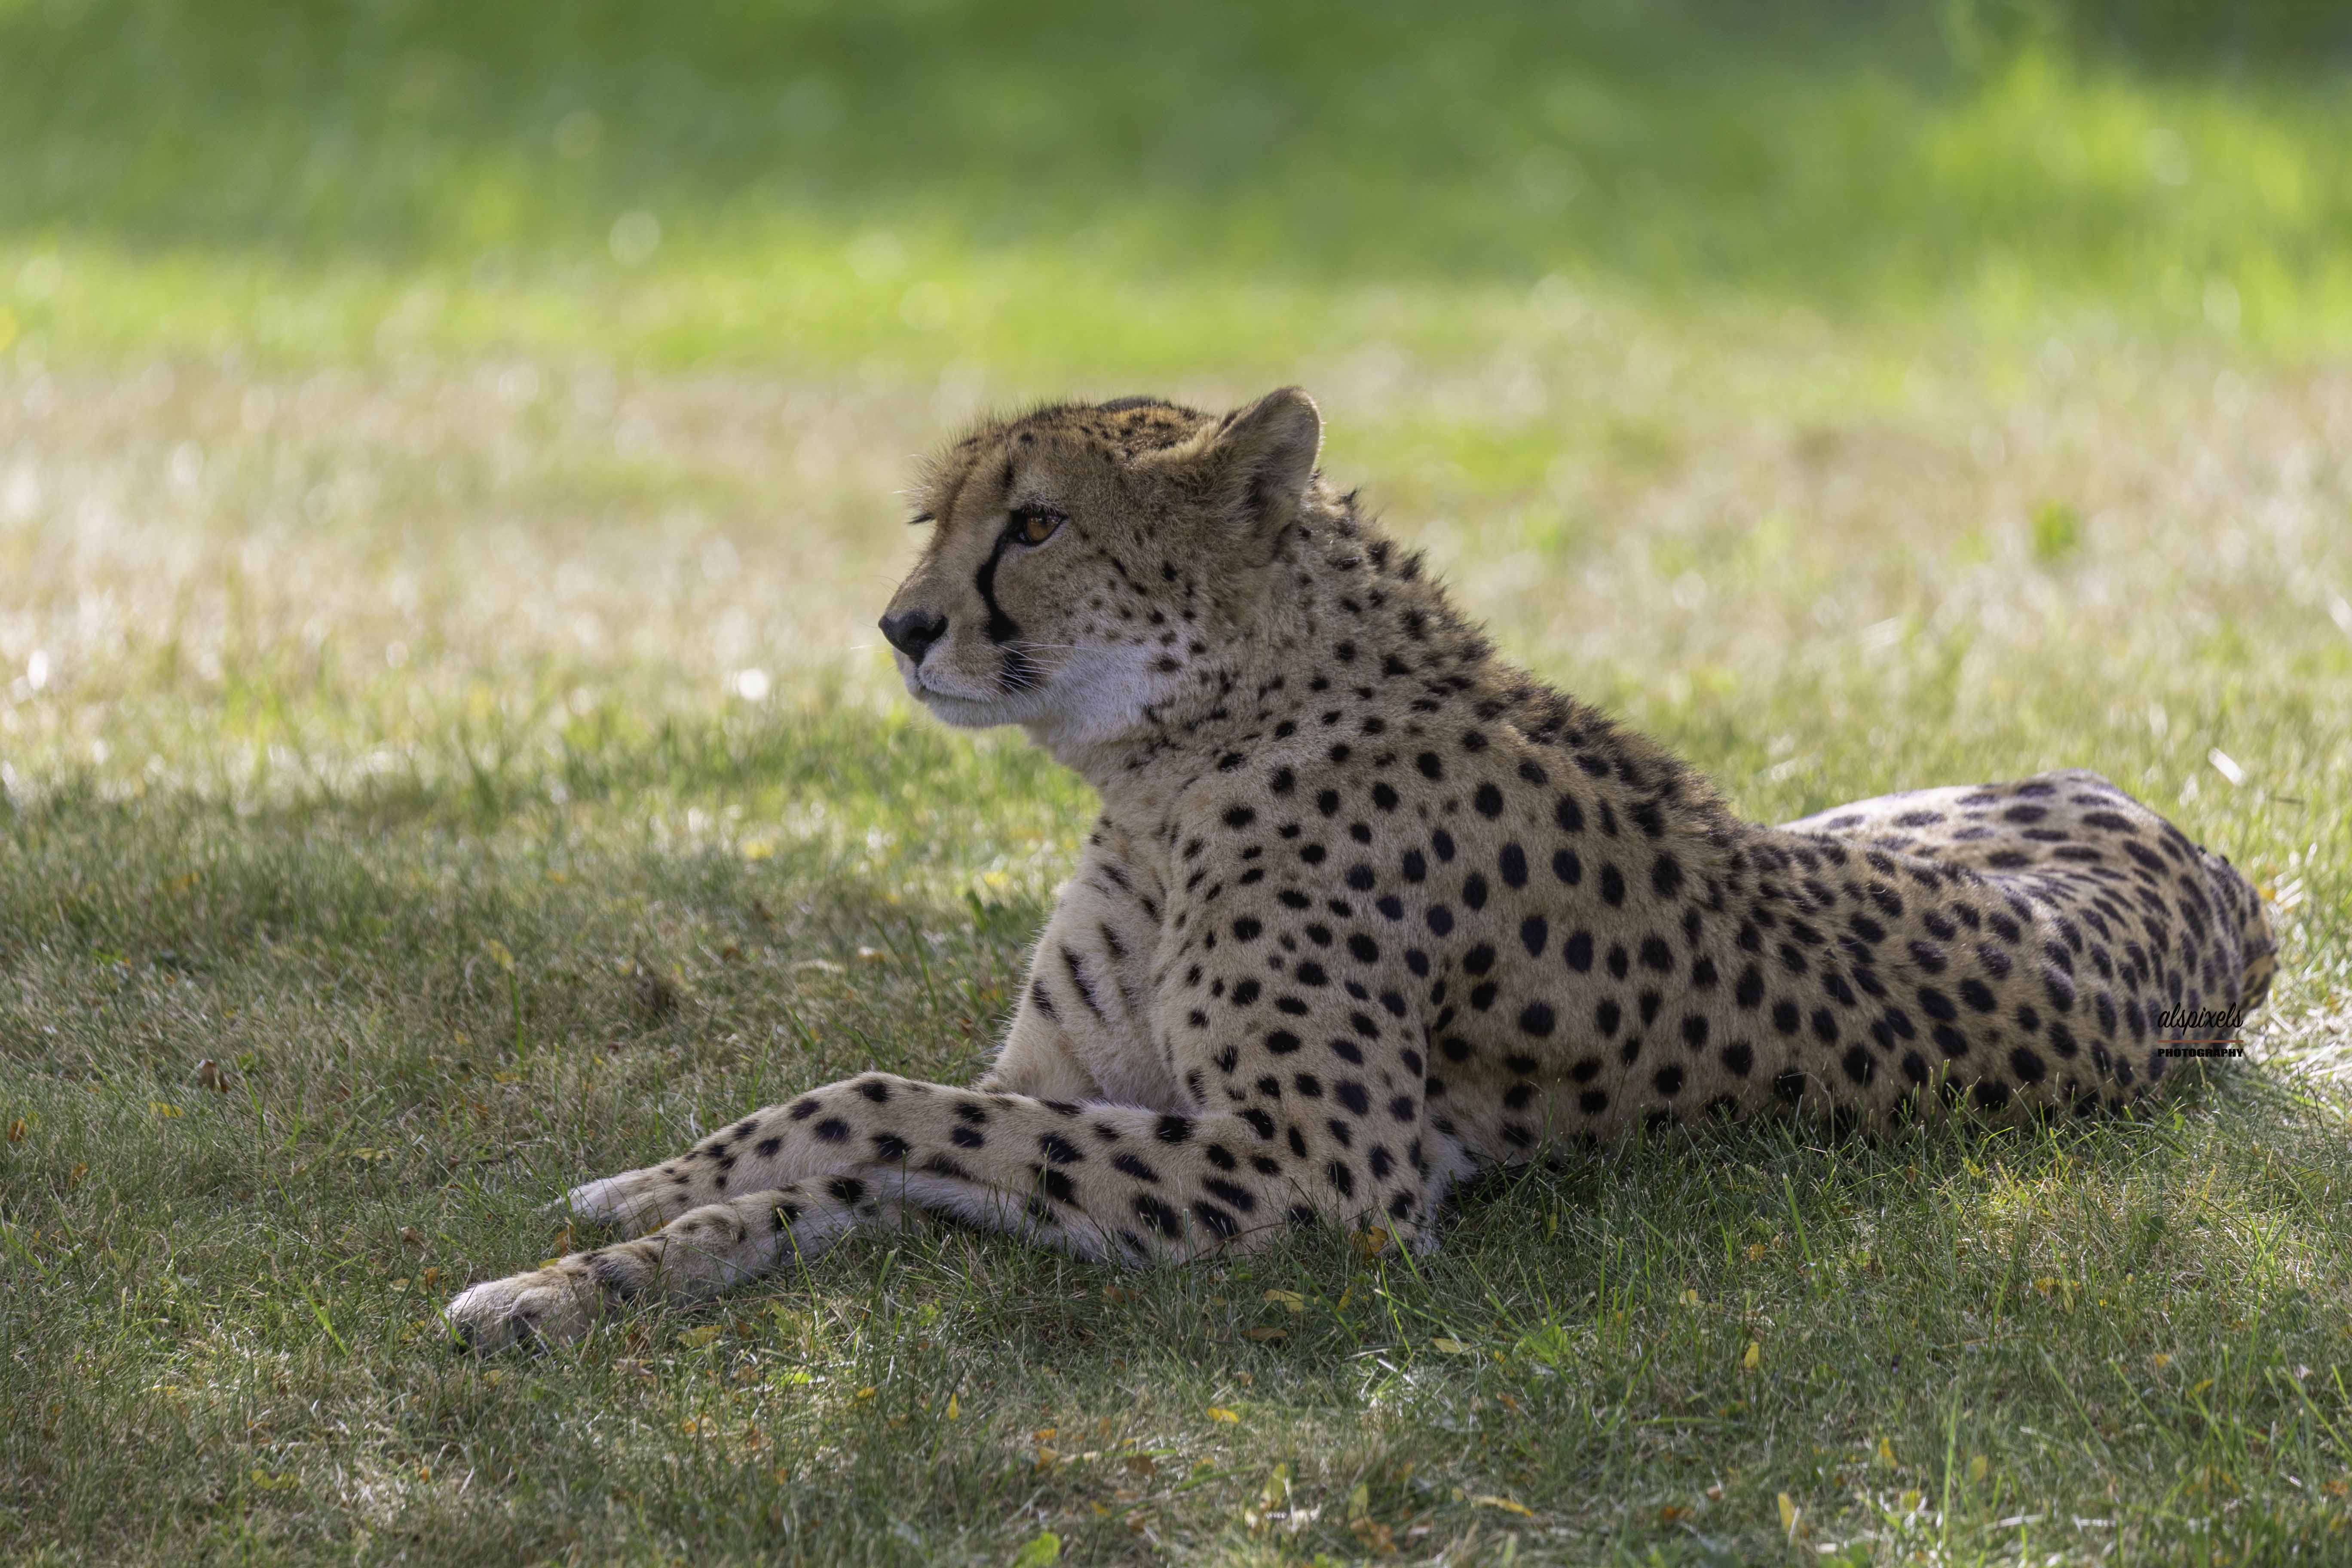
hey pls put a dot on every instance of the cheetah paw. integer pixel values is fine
(634, 1200)
(544, 1306)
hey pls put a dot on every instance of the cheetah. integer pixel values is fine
(1367, 911)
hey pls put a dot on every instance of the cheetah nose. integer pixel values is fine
(912, 632)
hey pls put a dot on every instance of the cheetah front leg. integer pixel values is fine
(700, 1254)
(1094, 1179)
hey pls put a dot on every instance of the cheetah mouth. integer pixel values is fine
(962, 709)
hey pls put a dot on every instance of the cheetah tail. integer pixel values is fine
(2257, 941)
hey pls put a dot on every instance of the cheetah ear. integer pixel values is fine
(1263, 458)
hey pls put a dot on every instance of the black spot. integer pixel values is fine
(1159, 1215)
(1666, 876)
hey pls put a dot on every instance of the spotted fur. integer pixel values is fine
(1368, 910)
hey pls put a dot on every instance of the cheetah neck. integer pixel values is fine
(1348, 643)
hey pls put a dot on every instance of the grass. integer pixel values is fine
(438, 689)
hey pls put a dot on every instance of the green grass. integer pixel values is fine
(438, 687)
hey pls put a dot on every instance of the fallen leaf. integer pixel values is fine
(1788, 1513)
(698, 1337)
(211, 1075)
(955, 1408)
(1291, 1299)
(1754, 1356)
(1219, 1412)
(1979, 1467)
(1670, 1513)
(162, 1107)
(17, 1131)
(1140, 1464)
(1265, 1336)
(1886, 1452)
(1038, 1552)
(1488, 1499)
(1452, 1347)
(1370, 1244)
(411, 1235)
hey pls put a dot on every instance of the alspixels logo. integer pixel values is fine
(2217, 1028)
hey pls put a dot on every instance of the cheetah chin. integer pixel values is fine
(1368, 911)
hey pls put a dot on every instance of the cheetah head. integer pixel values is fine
(1088, 564)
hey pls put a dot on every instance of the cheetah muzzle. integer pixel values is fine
(1368, 911)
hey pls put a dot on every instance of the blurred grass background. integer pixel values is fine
(922, 180)
(448, 460)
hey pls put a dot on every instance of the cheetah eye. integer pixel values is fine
(1035, 524)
